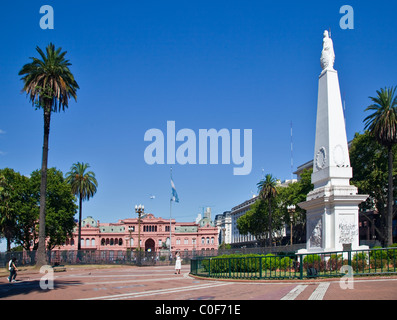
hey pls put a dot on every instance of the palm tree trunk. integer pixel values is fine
(390, 199)
(80, 214)
(270, 224)
(41, 254)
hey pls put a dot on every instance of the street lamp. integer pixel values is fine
(291, 211)
(139, 210)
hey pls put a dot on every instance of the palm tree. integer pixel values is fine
(49, 84)
(267, 191)
(84, 185)
(382, 125)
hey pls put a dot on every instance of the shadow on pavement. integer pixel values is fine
(22, 288)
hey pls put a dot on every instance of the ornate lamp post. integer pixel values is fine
(291, 211)
(139, 210)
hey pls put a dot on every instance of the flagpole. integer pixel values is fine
(170, 217)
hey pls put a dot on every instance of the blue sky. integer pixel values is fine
(203, 64)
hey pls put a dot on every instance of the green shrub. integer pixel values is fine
(359, 261)
(377, 257)
(335, 262)
(392, 254)
(313, 261)
(311, 258)
(286, 263)
(270, 262)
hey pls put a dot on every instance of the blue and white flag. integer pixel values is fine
(174, 196)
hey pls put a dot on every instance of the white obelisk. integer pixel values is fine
(332, 207)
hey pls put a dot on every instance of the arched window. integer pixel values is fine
(93, 242)
(120, 242)
(102, 242)
(202, 240)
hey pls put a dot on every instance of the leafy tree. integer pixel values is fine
(382, 125)
(7, 217)
(49, 84)
(370, 175)
(60, 206)
(84, 185)
(256, 221)
(15, 204)
(292, 195)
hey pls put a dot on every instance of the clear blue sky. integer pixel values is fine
(204, 64)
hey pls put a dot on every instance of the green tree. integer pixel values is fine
(254, 221)
(267, 191)
(49, 84)
(292, 195)
(60, 206)
(7, 216)
(84, 185)
(370, 175)
(18, 206)
(382, 124)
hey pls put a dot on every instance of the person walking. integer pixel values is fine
(178, 263)
(13, 270)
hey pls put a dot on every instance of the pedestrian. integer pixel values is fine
(178, 263)
(13, 270)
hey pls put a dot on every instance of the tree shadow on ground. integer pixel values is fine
(22, 288)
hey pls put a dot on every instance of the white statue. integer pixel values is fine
(328, 54)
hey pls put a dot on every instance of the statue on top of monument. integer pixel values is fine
(328, 54)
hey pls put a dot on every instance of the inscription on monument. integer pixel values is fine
(347, 232)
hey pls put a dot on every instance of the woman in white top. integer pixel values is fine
(178, 264)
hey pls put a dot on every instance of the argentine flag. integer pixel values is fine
(174, 196)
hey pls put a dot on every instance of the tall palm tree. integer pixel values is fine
(382, 125)
(49, 84)
(84, 185)
(268, 191)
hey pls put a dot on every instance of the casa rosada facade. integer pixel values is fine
(154, 235)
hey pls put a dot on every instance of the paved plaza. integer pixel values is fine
(161, 283)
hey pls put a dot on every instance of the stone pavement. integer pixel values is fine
(160, 283)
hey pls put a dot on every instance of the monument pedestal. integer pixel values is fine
(332, 219)
(332, 207)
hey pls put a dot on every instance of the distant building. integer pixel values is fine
(224, 224)
(154, 235)
(237, 239)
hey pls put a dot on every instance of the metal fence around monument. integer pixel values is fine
(298, 266)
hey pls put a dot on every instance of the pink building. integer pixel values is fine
(154, 235)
